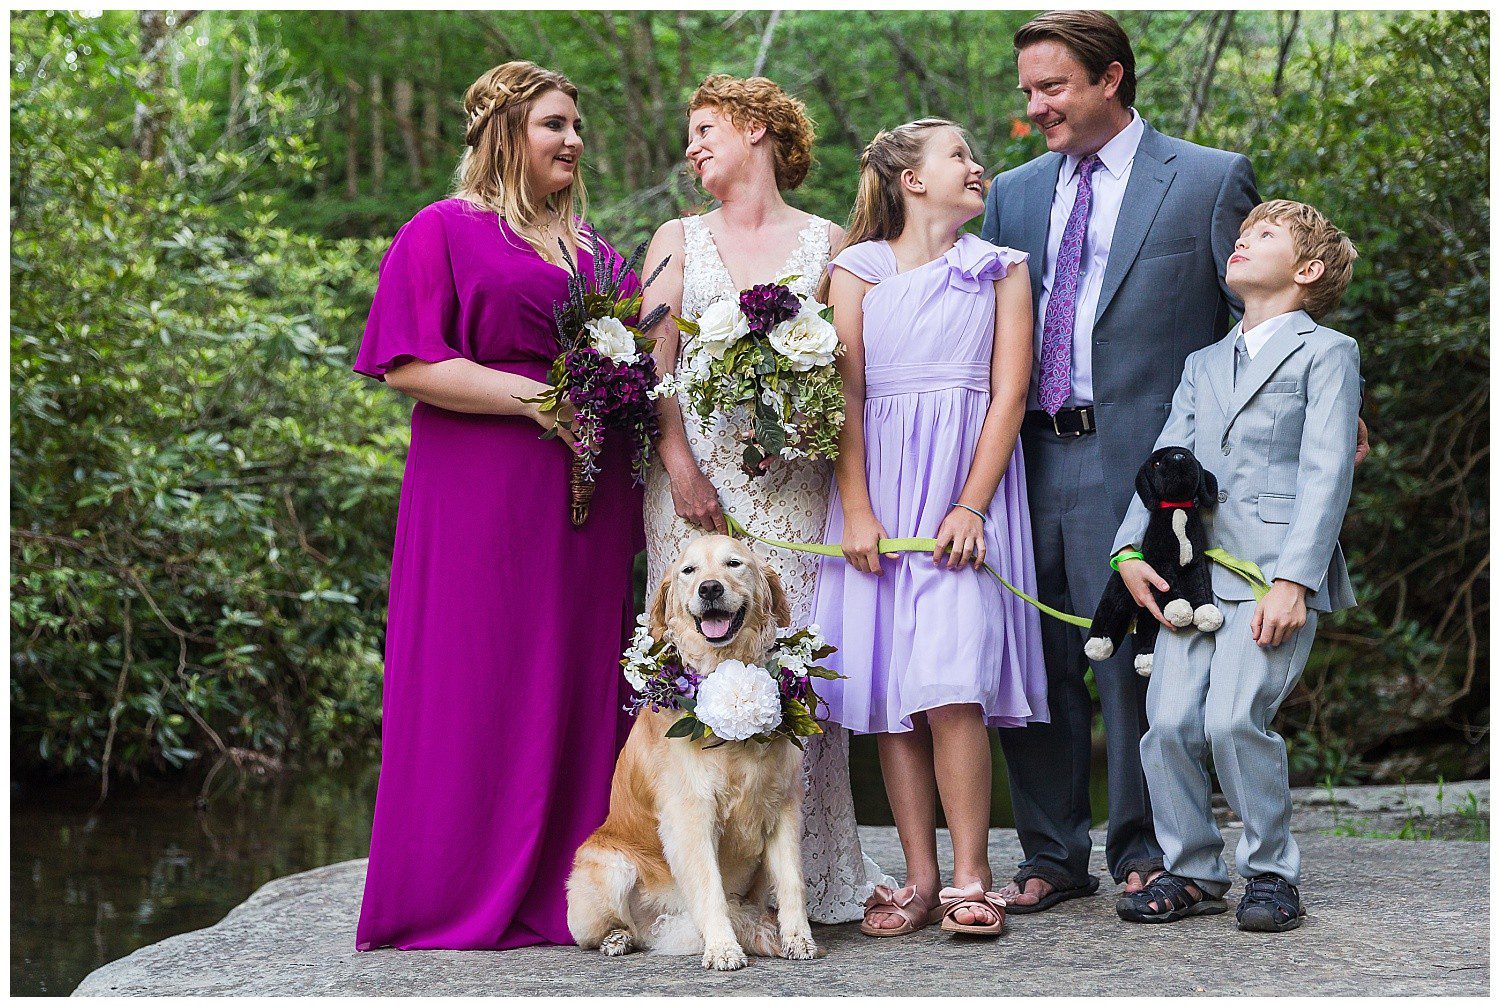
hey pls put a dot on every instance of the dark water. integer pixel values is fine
(89, 886)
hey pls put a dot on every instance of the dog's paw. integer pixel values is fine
(724, 957)
(616, 943)
(1099, 648)
(800, 947)
(1179, 612)
(1208, 618)
(1143, 664)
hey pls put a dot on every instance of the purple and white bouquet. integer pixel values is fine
(736, 701)
(771, 352)
(605, 370)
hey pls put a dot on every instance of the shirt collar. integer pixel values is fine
(1256, 338)
(1115, 155)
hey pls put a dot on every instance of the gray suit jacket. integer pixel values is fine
(1163, 295)
(1281, 443)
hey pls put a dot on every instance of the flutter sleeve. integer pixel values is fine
(871, 261)
(973, 261)
(415, 312)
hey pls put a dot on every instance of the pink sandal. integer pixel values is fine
(950, 900)
(903, 903)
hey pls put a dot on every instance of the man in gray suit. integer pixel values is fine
(1272, 410)
(1129, 231)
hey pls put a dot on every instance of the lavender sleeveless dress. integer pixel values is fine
(503, 692)
(921, 636)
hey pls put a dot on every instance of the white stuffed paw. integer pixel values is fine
(799, 947)
(1179, 612)
(1208, 618)
(725, 957)
(1099, 648)
(1143, 664)
(616, 943)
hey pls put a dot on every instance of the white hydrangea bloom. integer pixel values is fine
(611, 338)
(738, 701)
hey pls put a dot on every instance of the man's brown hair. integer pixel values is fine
(1092, 36)
(1313, 237)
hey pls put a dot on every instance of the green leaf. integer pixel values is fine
(684, 727)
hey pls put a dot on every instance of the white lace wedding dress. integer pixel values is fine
(788, 502)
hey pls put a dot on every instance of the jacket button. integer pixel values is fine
(1223, 496)
(1226, 449)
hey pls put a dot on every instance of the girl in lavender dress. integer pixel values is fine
(937, 330)
(503, 691)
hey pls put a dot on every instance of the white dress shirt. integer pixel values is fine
(1256, 338)
(1110, 179)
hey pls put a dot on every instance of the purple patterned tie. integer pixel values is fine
(1056, 378)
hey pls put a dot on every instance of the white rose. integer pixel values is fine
(738, 701)
(806, 341)
(611, 338)
(720, 326)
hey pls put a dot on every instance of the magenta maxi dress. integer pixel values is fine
(503, 694)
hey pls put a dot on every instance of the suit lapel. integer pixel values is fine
(1271, 356)
(1221, 371)
(1036, 219)
(1150, 177)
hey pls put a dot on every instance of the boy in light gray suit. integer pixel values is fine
(1272, 411)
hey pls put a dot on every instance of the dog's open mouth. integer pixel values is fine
(719, 626)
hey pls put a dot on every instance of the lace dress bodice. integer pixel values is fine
(788, 502)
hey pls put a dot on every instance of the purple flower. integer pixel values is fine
(767, 305)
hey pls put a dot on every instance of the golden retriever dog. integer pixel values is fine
(698, 837)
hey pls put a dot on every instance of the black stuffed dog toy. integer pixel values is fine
(1176, 489)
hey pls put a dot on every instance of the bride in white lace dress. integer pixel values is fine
(754, 237)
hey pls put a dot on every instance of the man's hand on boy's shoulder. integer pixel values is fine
(1279, 614)
(1361, 442)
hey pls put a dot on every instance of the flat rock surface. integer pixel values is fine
(1374, 928)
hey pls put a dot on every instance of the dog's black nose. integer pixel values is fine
(710, 590)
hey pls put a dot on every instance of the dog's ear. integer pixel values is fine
(1144, 488)
(657, 620)
(781, 608)
(1208, 488)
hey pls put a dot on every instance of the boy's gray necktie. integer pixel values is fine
(1241, 358)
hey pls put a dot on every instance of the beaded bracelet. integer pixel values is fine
(1124, 554)
(971, 510)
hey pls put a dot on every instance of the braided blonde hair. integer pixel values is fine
(879, 212)
(492, 172)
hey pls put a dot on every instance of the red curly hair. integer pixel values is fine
(757, 101)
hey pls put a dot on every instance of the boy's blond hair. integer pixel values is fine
(1314, 237)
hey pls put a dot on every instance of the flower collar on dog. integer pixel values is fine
(736, 701)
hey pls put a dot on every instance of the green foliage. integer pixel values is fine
(203, 495)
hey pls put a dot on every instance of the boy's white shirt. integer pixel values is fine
(1256, 338)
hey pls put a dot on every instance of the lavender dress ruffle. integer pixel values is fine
(920, 636)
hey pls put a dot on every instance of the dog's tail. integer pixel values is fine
(755, 929)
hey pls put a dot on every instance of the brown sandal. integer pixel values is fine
(950, 900)
(902, 902)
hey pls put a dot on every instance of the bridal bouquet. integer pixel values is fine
(736, 701)
(605, 371)
(772, 352)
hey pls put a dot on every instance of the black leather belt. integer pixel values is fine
(1070, 422)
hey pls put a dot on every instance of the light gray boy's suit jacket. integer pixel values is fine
(1281, 443)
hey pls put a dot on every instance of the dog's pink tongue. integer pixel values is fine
(716, 626)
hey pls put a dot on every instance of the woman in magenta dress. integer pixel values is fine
(503, 693)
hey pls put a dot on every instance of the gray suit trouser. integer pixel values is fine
(1073, 526)
(1216, 694)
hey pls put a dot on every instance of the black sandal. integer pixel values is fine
(1174, 902)
(1270, 905)
(1053, 897)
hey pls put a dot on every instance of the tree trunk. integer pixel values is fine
(1205, 83)
(402, 103)
(377, 132)
(432, 118)
(236, 86)
(351, 138)
(149, 120)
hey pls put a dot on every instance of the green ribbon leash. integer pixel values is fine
(887, 546)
